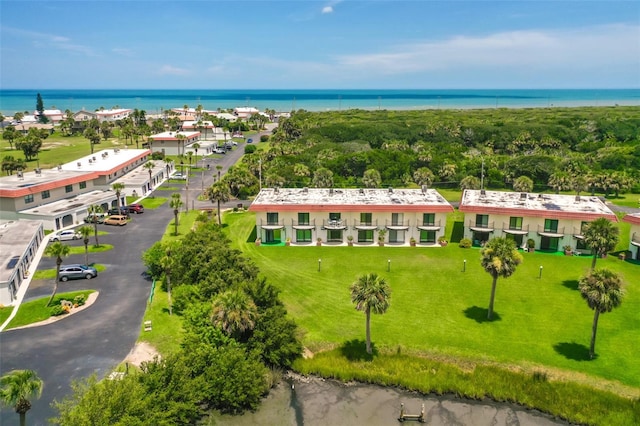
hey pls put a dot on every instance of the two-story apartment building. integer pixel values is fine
(173, 143)
(113, 114)
(552, 221)
(60, 197)
(634, 234)
(337, 216)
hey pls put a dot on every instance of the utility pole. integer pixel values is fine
(482, 175)
(260, 172)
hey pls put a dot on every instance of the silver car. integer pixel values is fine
(69, 272)
(68, 234)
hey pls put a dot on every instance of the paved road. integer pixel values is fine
(99, 338)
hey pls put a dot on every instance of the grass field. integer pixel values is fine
(438, 309)
(36, 310)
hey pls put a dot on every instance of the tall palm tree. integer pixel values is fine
(16, 387)
(85, 231)
(523, 184)
(175, 204)
(94, 210)
(167, 163)
(195, 147)
(371, 179)
(235, 313)
(220, 193)
(500, 258)
(149, 165)
(370, 293)
(118, 187)
(602, 289)
(59, 251)
(181, 138)
(167, 265)
(601, 236)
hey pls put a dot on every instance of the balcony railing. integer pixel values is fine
(365, 225)
(487, 226)
(271, 223)
(508, 227)
(635, 237)
(397, 224)
(334, 224)
(432, 223)
(542, 229)
(577, 232)
(306, 223)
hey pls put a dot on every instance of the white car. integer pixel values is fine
(66, 235)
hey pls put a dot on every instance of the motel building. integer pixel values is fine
(552, 221)
(304, 215)
(634, 234)
(173, 143)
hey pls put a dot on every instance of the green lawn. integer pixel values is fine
(36, 310)
(438, 309)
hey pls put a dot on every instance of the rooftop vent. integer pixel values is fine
(390, 190)
(38, 172)
(578, 197)
(59, 167)
(483, 192)
(90, 161)
(424, 189)
(330, 191)
(79, 164)
(305, 190)
(20, 175)
(523, 195)
(94, 158)
(362, 190)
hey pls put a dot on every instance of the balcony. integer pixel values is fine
(513, 230)
(397, 225)
(433, 226)
(551, 232)
(271, 224)
(577, 233)
(309, 224)
(365, 226)
(480, 227)
(635, 239)
(334, 224)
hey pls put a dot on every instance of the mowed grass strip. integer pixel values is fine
(37, 310)
(438, 309)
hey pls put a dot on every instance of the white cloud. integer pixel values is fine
(123, 51)
(50, 41)
(171, 70)
(327, 9)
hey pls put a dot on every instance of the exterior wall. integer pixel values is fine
(533, 225)
(55, 194)
(634, 237)
(350, 222)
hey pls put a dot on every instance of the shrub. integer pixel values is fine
(58, 310)
(250, 149)
(79, 300)
(264, 138)
(157, 155)
(465, 243)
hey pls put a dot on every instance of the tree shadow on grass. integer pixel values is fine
(570, 284)
(356, 350)
(479, 314)
(573, 350)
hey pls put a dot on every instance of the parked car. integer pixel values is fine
(135, 208)
(117, 219)
(123, 211)
(179, 176)
(95, 218)
(219, 151)
(69, 272)
(66, 235)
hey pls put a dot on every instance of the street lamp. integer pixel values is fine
(388, 265)
(319, 263)
(540, 275)
(464, 266)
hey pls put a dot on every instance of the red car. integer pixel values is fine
(135, 208)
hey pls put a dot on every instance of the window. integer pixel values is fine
(428, 219)
(68, 188)
(334, 216)
(427, 237)
(396, 219)
(334, 234)
(515, 223)
(365, 235)
(46, 194)
(303, 219)
(83, 185)
(482, 220)
(272, 218)
(303, 235)
(396, 236)
(550, 225)
(366, 218)
(28, 199)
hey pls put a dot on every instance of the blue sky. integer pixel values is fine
(309, 44)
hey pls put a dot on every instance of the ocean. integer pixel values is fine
(154, 101)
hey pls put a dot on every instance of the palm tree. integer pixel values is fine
(423, 176)
(94, 211)
(149, 165)
(601, 236)
(59, 251)
(370, 293)
(235, 313)
(175, 204)
(470, 182)
(195, 147)
(219, 192)
(500, 258)
(167, 163)
(118, 187)
(322, 178)
(167, 266)
(602, 289)
(371, 179)
(85, 231)
(523, 184)
(16, 387)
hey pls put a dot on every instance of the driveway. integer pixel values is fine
(99, 338)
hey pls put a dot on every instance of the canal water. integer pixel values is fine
(312, 401)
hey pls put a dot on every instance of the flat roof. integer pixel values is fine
(105, 160)
(15, 237)
(354, 200)
(632, 218)
(553, 206)
(173, 136)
